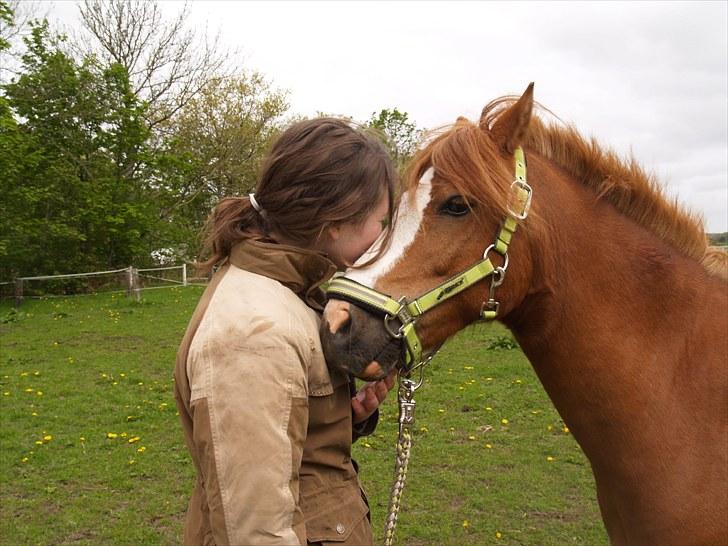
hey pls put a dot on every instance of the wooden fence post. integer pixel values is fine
(18, 292)
(133, 290)
(137, 286)
(129, 281)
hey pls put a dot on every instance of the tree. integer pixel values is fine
(401, 135)
(70, 138)
(15, 16)
(167, 63)
(6, 25)
(213, 149)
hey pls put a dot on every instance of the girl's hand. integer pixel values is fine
(369, 397)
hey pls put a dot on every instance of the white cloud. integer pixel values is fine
(645, 77)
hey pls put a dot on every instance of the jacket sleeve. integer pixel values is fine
(250, 415)
(366, 427)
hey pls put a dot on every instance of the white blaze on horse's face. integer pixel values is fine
(409, 218)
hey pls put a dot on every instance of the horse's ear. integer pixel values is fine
(510, 127)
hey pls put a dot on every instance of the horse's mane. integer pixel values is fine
(624, 184)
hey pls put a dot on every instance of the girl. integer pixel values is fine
(268, 425)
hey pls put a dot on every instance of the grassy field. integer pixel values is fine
(92, 452)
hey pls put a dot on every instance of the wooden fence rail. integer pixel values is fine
(132, 283)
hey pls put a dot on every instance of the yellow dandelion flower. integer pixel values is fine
(488, 408)
(38, 443)
(468, 368)
(132, 461)
(441, 410)
(367, 444)
(488, 446)
(466, 523)
(82, 439)
(115, 383)
(122, 374)
(498, 534)
(34, 414)
(36, 374)
(549, 428)
(134, 439)
(519, 381)
(550, 459)
(471, 437)
(424, 429)
(6, 393)
(462, 388)
(504, 421)
(47, 437)
(489, 379)
(140, 383)
(23, 374)
(28, 390)
(141, 449)
(24, 460)
(565, 429)
(39, 393)
(112, 435)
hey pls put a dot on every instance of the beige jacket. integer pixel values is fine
(268, 426)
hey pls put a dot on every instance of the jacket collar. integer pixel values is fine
(303, 271)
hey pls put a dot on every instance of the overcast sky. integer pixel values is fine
(646, 78)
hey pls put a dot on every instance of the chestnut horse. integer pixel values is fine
(611, 291)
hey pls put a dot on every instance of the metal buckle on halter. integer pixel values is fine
(520, 184)
(490, 305)
(404, 317)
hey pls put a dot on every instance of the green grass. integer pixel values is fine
(74, 370)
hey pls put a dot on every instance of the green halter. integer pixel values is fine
(407, 312)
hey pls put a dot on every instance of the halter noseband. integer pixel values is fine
(407, 312)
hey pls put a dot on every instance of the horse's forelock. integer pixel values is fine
(466, 157)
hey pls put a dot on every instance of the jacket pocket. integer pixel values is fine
(340, 519)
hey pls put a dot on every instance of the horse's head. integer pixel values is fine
(460, 191)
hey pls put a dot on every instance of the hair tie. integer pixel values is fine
(256, 205)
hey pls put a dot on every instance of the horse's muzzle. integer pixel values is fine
(356, 342)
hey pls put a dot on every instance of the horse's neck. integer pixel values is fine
(605, 311)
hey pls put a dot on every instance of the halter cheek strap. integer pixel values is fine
(408, 311)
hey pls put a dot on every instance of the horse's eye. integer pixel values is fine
(454, 206)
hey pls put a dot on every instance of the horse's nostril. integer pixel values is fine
(338, 317)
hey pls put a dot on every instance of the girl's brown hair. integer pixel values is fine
(319, 173)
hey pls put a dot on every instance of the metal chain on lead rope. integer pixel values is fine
(407, 388)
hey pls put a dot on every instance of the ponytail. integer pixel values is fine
(232, 220)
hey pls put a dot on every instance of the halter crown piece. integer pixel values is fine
(407, 312)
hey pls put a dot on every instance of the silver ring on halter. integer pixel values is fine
(505, 256)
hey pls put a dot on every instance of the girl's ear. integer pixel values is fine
(334, 232)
